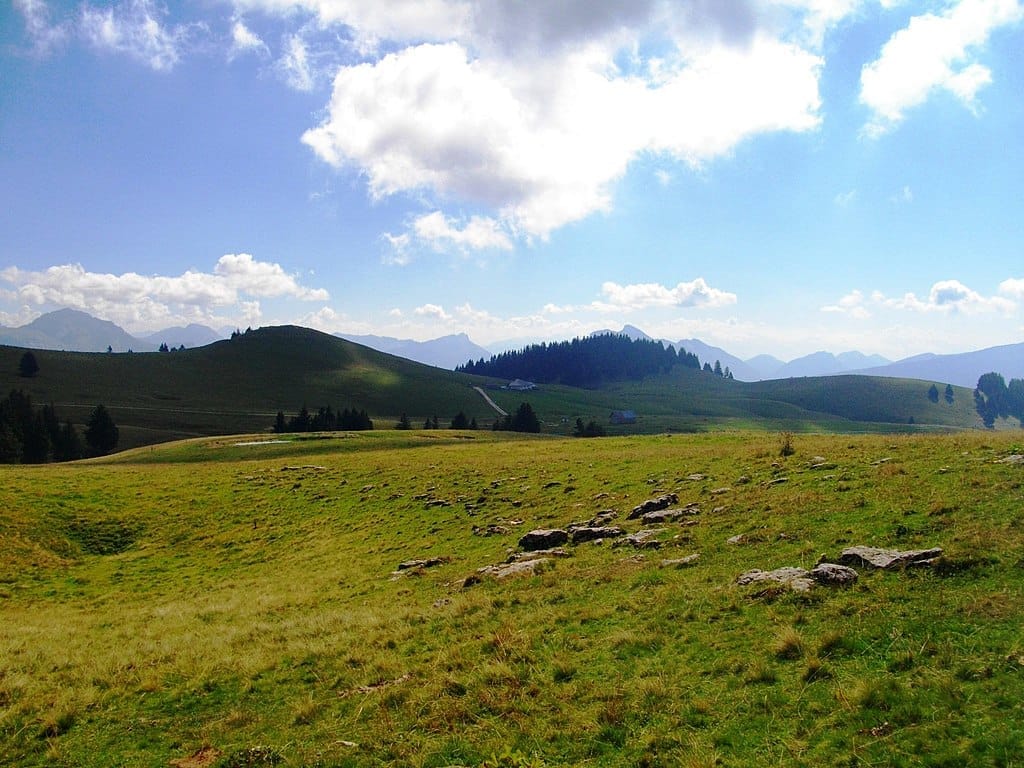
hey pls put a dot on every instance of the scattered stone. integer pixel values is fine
(518, 557)
(681, 562)
(441, 602)
(777, 481)
(696, 477)
(720, 491)
(490, 530)
(888, 559)
(543, 538)
(718, 510)
(652, 505)
(643, 539)
(600, 496)
(580, 535)
(633, 559)
(742, 479)
(305, 466)
(739, 538)
(428, 563)
(552, 484)
(820, 462)
(367, 488)
(797, 579)
(833, 575)
(1014, 458)
(508, 570)
(439, 503)
(670, 515)
(885, 460)
(603, 517)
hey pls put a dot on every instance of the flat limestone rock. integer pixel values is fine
(582, 534)
(543, 538)
(1014, 458)
(681, 562)
(888, 559)
(797, 579)
(539, 554)
(521, 568)
(833, 575)
(644, 539)
(669, 515)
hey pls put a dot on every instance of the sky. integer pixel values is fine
(769, 176)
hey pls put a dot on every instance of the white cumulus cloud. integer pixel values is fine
(934, 52)
(696, 293)
(851, 304)
(948, 296)
(1013, 287)
(149, 301)
(478, 233)
(536, 120)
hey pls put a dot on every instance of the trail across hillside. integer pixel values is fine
(494, 405)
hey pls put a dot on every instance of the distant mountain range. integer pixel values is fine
(75, 331)
(961, 369)
(445, 352)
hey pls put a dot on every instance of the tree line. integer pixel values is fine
(326, 419)
(30, 435)
(995, 399)
(585, 362)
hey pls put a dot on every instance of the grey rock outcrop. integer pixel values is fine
(643, 539)
(800, 579)
(797, 579)
(583, 534)
(888, 559)
(833, 575)
(669, 515)
(543, 538)
(508, 570)
(651, 505)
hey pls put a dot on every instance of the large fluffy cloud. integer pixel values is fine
(148, 300)
(934, 51)
(542, 144)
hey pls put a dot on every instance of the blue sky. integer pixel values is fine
(777, 176)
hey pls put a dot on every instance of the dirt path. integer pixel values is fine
(494, 405)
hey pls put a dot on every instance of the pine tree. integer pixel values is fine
(101, 433)
(28, 366)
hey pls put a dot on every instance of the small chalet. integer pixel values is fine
(520, 385)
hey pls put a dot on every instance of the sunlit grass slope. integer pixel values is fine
(239, 385)
(215, 603)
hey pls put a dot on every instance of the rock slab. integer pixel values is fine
(651, 505)
(888, 559)
(543, 538)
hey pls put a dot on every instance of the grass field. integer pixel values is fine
(212, 603)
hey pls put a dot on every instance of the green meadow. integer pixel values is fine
(237, 602)
(239, 385)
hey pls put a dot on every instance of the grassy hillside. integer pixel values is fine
(239, 385)
(687, 400)
(212, 603)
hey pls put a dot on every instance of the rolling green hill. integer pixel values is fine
(239, 385)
